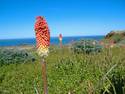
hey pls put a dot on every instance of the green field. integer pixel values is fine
(67, 72)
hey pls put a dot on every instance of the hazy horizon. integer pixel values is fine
(56, 37)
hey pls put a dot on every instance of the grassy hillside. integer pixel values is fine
(67, 72)
(116, 37)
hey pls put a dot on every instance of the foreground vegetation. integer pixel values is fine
(67, 72)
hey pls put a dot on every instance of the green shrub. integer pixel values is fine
(9, 56)
(86, 46)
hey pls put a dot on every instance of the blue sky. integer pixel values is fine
(69, 17)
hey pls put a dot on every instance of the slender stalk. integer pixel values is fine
(44, 76)
(60, 43)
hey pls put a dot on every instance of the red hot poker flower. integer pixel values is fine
(60, 37)
(42, 36)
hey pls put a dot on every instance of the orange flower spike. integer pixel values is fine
(42, 36)
(60, 37)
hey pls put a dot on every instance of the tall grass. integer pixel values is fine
(68, 73)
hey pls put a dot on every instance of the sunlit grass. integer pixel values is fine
(67, 72)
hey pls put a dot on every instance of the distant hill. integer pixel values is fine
(117, 37)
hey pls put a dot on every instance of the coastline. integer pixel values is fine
(21, 47)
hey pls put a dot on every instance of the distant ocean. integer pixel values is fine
(54, 40)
